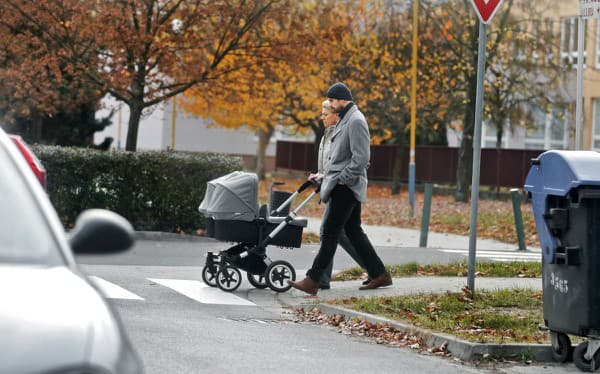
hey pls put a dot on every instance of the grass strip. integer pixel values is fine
(499, 316)
(518, 269)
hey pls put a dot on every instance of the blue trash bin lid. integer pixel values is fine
(556, 173)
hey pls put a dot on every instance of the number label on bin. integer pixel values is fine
(560, 285)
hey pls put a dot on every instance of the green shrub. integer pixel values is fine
(155, 191)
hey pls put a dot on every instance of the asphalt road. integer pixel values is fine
(179, 325)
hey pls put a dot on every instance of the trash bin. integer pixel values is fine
(565, 192)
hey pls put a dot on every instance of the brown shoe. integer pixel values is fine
(383, 280)
(307, 285)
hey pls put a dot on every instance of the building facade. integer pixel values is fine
(169, 127)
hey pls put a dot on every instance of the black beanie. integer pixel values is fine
(339, 91)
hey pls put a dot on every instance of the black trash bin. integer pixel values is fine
(565, 193)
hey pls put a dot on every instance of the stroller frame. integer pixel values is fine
(222, 268)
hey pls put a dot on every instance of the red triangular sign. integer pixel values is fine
(486, 8)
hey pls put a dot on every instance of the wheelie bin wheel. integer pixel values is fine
(229, 278)
(257, 280)
(278, 273)
(581, 362)
(562, 351)
(210, 277)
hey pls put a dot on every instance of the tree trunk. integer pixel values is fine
(264, 136)
(34, 129)
(499, 134)
(135, 114)
(464, 170)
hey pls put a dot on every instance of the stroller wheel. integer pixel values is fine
(278, 273)
(257, 280)
(209, 277)
(229, 278)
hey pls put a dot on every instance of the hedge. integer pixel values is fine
(155, 191)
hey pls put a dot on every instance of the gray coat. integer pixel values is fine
(349, 156)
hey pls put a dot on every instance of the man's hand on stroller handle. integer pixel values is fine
(316, 178)
(310, 182)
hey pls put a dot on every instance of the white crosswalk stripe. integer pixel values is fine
(193, 289)
(499, 255)
(202, 293)
(112, 291)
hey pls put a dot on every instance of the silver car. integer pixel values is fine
(52, 319)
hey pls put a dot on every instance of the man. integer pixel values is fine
(329, 120)
(344, 188)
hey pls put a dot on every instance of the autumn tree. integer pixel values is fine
(385, 71)
(462, 61)
(525, 75)
(36, 84)
(285, 88)
(146, 51)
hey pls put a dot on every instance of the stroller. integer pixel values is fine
(232, 214)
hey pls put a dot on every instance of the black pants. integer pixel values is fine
(344, 213)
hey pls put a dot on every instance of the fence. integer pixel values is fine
(499, 167)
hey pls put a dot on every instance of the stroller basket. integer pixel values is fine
(253, 232)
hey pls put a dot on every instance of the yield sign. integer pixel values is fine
(486, 9)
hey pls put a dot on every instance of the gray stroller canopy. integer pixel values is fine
(231, 197)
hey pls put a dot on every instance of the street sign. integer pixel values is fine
(486, 8)
(589, 8)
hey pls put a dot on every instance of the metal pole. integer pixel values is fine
(476, 155)
(120, 121)
(516, 203)
(426, 215)
(579, 102)
(413, 111)
(173, 123)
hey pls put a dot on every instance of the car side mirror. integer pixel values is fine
(99, 231)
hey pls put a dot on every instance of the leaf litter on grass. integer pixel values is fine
(496, 220)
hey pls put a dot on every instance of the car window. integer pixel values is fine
(25, 235)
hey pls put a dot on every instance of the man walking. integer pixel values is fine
(344, 188)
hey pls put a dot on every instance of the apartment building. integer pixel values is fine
(555, 128)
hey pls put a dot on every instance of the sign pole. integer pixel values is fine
(413, 111)
(485, 11)
(579, 102)
(587, 9)
(476, 154)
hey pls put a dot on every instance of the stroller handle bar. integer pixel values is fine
(304, 186)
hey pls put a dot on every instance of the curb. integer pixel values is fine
(462, 349)
(169, 236)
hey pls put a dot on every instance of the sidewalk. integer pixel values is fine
(382, 236)
(387, 236)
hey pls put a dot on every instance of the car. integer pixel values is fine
(53, 319)
(34, 163)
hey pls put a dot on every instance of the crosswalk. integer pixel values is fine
(502, 256)
(193, 289)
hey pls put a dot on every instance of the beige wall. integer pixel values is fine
(591, 75)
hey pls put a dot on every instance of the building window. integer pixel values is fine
(598, 45)
(568, 41)
(550, 35)
(548, 130)
(596, 124)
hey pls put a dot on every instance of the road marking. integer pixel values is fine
(112, 291)
(201, 292)
(499, 255)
